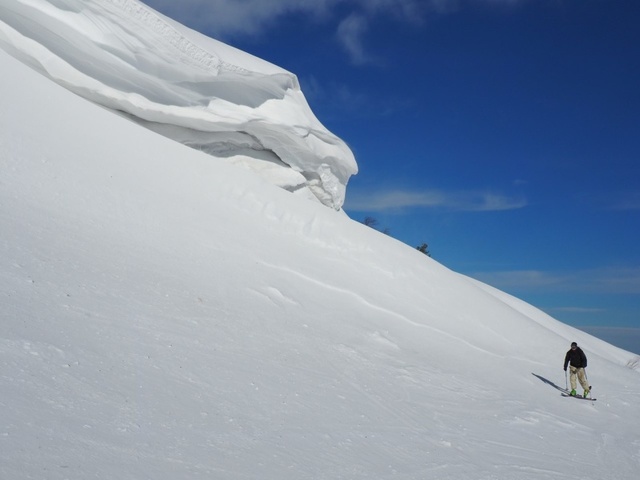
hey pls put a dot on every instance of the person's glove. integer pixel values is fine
(565, 369)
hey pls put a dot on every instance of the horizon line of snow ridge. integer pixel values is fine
(125, 56)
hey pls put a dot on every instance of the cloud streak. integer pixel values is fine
(350, 34)
(228, 18)
(606, 280)
(627, 338)
(463, 201)
(232, 18)
(626, 201)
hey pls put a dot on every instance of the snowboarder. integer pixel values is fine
(578, 362)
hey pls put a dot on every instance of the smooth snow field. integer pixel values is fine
(168, 314)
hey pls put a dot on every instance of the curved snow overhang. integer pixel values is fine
(125, 56)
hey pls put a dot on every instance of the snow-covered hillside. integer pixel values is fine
(166, 315)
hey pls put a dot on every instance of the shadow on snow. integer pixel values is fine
(549, 382)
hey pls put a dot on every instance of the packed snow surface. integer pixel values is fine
(167, 316)
(127, 57)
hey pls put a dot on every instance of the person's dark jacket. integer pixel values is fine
(576, 358)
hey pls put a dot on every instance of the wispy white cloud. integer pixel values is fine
(627, 338)
(626, 201)
(617, 280)
(350, 34)
(577, 310)
(522, 279)
(232, 18)
(224, 18)
(606, 280)
(469, 201)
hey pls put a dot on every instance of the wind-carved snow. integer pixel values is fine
(127, 57)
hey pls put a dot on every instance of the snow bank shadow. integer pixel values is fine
(549, 382)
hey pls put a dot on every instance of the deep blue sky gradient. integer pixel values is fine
(520, 118)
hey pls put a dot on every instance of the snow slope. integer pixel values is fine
(168, 316)
(127, 57)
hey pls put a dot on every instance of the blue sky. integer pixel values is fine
(503, 133)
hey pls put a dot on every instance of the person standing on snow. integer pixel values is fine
(578, 362)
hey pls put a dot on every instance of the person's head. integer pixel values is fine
(574, 345)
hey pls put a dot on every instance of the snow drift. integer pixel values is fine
(127, 57)
(169, 316)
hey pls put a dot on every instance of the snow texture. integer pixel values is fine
(167, 316)
(127, 57)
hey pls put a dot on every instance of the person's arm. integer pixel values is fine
(566, 361)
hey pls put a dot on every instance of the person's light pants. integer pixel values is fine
(578, 372)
